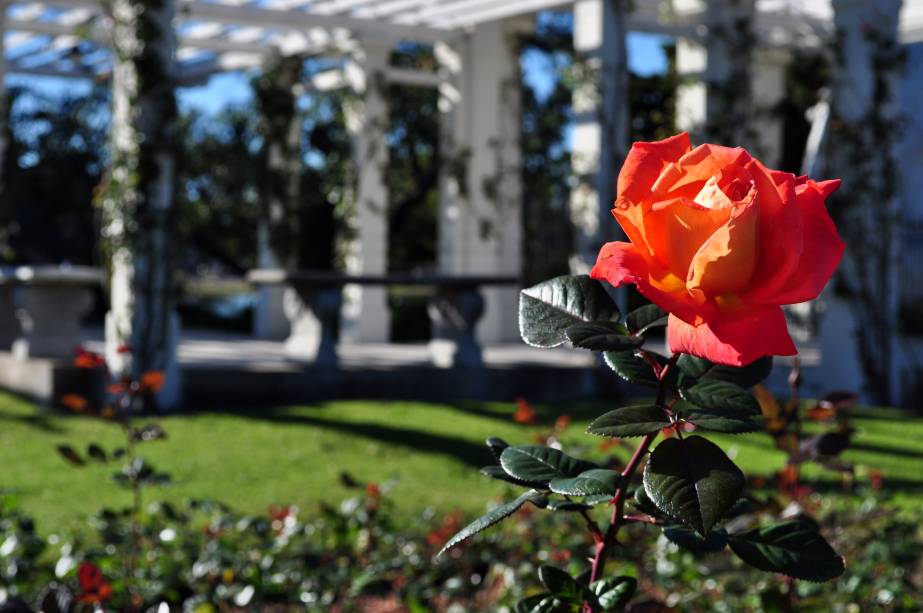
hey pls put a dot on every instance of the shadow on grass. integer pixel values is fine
(472, 454)
(40, 421)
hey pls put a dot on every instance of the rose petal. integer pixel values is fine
(726, 261)
(645, 162)
(735, 342)
(676, 229)
(781, 233)
(620, 263)
(707, 160)
(823, 248)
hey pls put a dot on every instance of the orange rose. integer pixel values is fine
(720, 241)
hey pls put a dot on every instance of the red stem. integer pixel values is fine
(618, 502)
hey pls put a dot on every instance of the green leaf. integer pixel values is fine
(690, 540)
(692, 480)
(793, 548)
(568, 506)
(496, 446)
(613, 593)
(722, 396)
(643, 503)
(550, 604)
(561, 584)
(643, 318)
(631, 368)
(528, 605)
(745, 376)
(716, 420)
(546, 310)
(630, 421)
(496, 472)
(537, 464)
(494, 516)
(593, 482)
(693, 366)
(601, 336)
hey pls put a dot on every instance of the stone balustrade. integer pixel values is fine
(314, 300)
(41, 308)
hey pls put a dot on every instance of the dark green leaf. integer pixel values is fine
(643, 318)
(601, 336)
(546, 310)
(716, 420)
(497, 445)
(68, 453)
(496, 472)
(538, 464)
(593, 482)
(528, 605)
(713, 395)
(690, 540)
(631, 367)
(613, 593)
(692, 480)
(567, 506)
(630, 421)
(561, 584)
(550, 604)
(745, 376)
(96, 452)
(643, 503)
(693, 366)
(494, 516)
(793, 548)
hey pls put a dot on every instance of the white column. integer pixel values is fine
(601, 130)
(276, 93)
(711, 103)
(366, 315)
(768, 90)
(480, 226)
(269, 319)
(139, 196)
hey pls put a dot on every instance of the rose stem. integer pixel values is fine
(618, 502)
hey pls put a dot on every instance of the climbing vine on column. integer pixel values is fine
(137, 195)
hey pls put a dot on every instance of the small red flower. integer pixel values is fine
(524, 414)
(877, 479)
(561, 423)
(93, 585)
(88, 359)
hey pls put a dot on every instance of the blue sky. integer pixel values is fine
(645, 56)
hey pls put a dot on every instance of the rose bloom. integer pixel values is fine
(721, 242)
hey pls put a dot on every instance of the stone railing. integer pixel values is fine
(41, 308)
(313, 307)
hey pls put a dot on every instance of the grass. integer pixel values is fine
(296, 455)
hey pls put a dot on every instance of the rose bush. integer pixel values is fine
(720, 241)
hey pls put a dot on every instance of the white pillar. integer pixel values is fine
(269, 318)
(480, 225)
(601, 130)
(711, 103)
(139, 196)
(864, 132)
(276, 93)
(366, 315)
(768, 90)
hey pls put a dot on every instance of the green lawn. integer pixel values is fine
(430, 452)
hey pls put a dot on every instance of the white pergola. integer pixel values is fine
(474, 42)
